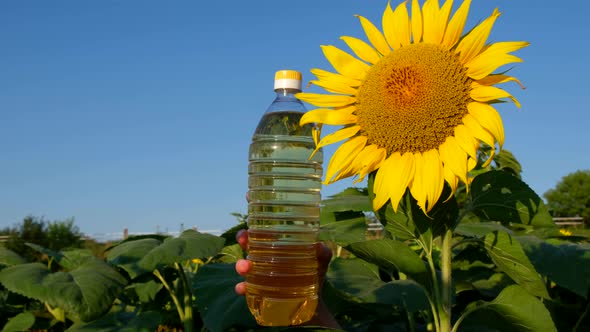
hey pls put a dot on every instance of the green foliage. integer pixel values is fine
(571, 196)
(54, 235)
(513, 310)
(84, 293)
(217, 302)
(20, 322)
(147, 321)
(508, 255)
(147, 254)
(492, 255)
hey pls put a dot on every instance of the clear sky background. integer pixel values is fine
(139, 114)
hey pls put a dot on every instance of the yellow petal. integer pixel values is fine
(334, 87)
(428, 180)
(371, 162)
(452, 180)
(481, 134)
(493, 57)
(466, 141)
(473, 42)
(443, 20)
(488, 93)
(457, 24)
(326, 75)
(399, 175)
(345, 63)
(343, 156)
(454, 158)
(392, 179)
(333, 117)
(471, 163)
(488, 118)
(363, 50)
(499, 79)
(338, 136)
(357, 163)
(396, 26)
(416, 22)
(430, 12)
(375, 36)
(324, 100)
(316, 132)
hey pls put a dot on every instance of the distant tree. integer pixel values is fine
(571, 196)
(55, 235)
(63, 234)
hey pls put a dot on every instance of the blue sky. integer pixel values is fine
(139, 114)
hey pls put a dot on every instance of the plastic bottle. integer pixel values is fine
(283, 211)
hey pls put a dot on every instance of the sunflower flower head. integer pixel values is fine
(415, 102)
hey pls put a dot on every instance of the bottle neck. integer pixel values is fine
(286, 93)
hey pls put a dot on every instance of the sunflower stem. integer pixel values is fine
(446, 282)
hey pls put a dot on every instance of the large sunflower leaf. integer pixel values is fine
(84, 294)
(480, 229)
(360, 281)
(344, 232)
(190, 244)
(513, 310)
(507, 253)
(9, 257)
(351, 199)
(21, 322)
(218, 304)
(146, 254)
(567, 264)
(389, 255)
(127, 255)
(147, 321)
(501, 196)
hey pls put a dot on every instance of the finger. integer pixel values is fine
(240, 288)
(242, 238)
(324, 255)
(243, 266)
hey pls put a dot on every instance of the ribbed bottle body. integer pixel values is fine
(283, 220)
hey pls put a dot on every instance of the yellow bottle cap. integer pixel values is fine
(288, 79)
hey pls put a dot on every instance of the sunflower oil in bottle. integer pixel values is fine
(283, 211)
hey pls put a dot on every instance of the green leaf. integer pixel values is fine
(410, 222)
(509, 256)
(354, 276)
(68, 259)
(481, 229)
(389, 255)
(360, 281)
(567, 264)
(146, 321)
(84, 294)
(220, 307)
(500, 196)
(10, 258)
(513, 310)
(190, 244)
(127, 255)
(145, 255)
(506, 162)
(231, 254)
(21, 322)
(344, 232)
(351, 199)
(146, 291)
